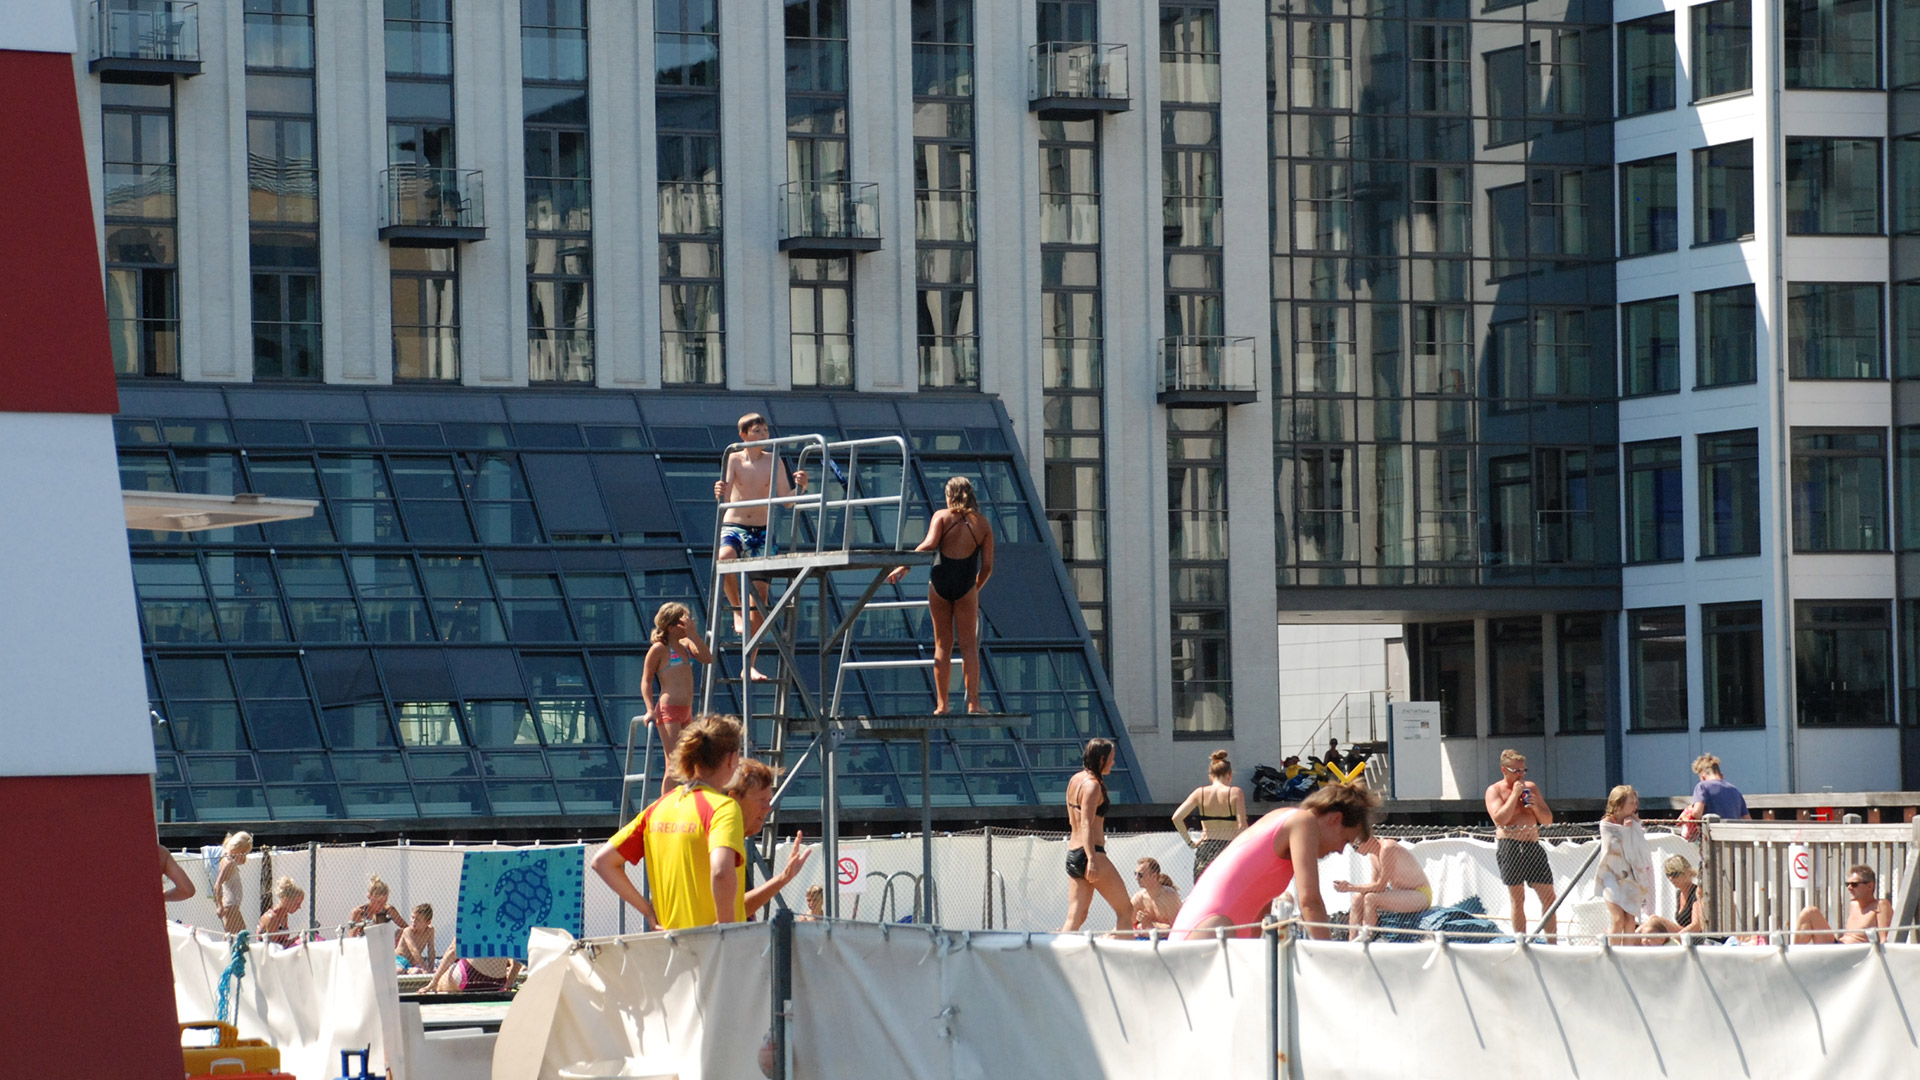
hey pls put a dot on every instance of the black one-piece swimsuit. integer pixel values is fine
(953, 578)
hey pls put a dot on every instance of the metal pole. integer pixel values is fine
(830, 814)
(1274, 1055)
(925, 915)
(988, 921)
(313, 883)
(782, 990)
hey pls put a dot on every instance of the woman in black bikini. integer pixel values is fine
(1088, 868)
(1223, 813)
(962, 543)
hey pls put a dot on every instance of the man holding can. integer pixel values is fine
(1518, 810)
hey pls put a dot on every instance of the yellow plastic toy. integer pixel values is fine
(231, 1056)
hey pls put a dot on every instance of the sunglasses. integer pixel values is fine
(1857, 884)
(1511, 769)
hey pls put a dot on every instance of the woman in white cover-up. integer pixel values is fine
(1625, 876)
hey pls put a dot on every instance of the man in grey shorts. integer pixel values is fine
(1518, 810)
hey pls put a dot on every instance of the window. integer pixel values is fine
(1557, 206)
(1903, 56)
(1506, 95)
(944, 232)
(1723, 193)
(1519, 695)
(1199, 607)
(1843, 662)
(1646, 65)
(1833, 330)
(820, 307)
(1649, 207)
(1906, 330)
(1724, 336)
(143, 318)
(1323, 208)
(687, 111)
(1442, 350)
(1322, 70)
(426, 313)
(1448, 665)
(1722, 48)
(283, 187)
(1903, 179)
(559, 191)
(1730, 493)
(1442, 209)
(1832, 44)
(1833, 186)
(1650, 333)
(1583, 673)
(1907, 495)
(1734, 665)
(1910, 663)
(1654, 515)
(1839, 490)
(1659, 668)
(1440, 68)
(1323, 350)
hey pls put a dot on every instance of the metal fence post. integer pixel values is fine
(1277, 1064)
(313, 883)
(988, 921)
(782, 993)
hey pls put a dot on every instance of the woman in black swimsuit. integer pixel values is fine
(1088, 867)
(962, 543)
(1223, 813)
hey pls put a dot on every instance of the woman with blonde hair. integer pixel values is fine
(1625, 876)
(287, 898)
(961, 539)
(1223, 813)
(227, 889)
(1157, 903)
(676, 645)
(375, 910)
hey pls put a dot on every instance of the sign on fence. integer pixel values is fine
(852, 871)
(1799, 866)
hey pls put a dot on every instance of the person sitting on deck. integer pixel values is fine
(693, 837)
(1157, 903)
(753, 473)
(413, 948)
(272, 929)
(816, 903)
(962, 539)
(1865, 912)
(1691, 912)
(375, 910)
(481, 974)
(1398, 884)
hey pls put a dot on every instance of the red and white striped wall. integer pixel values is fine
(88, 989)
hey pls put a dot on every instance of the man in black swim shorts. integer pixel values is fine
(1518, 810)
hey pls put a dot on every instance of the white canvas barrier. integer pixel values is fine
(1029, 871)
(876, 1002)
(311, 1001)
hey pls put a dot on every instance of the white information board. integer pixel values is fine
(1413, 732)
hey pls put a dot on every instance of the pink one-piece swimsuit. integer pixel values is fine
(1242, 881)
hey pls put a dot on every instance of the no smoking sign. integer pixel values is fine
(851, 871)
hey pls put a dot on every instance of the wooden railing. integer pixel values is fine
(1747, 876)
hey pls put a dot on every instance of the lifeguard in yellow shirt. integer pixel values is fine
(692, 838)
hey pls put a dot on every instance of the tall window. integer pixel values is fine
(1658, 663)
(1734, 665)
(1907, 493)
(1442, 209)
(1650, 338)
(1722, 48)
(1646, 64)
(1725, 325)
(1843, 662)
(1832, 44)
(1723, 192)
(686, 107)
(1447, 675)
(420, 156)
(1649, 207)
(559, 187)
(1833, 186)
(1197, 523)
(1839, 490)
(819, 291)
(283, 189)
(943, 187)
(1519, 694)
(142, 250)
(1584, 673)
(1730, 493)
(1906, 329)
(1655, 525)
(1903, 174)
(1072, 374)
(1440, 68)
(1833, 330)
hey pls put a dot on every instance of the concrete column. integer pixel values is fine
(626, 229)
(210, 145)
(880, 117)
(753, 155)
(350, 100)
(1006, 177)
(487, 121)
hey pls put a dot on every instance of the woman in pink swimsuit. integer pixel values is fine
(1284, 846)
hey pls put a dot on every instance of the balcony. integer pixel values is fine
(143, 40)
(825, 219)
(423, 207)
(1207, 371)
(1070, 80)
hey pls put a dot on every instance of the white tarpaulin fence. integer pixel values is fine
(1023, 872)
(892, 1002)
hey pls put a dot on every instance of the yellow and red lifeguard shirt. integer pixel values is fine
(676, 836)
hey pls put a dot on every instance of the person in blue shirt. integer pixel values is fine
(1713, 795)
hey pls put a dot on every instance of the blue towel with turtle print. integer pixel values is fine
(1468, 916)
(505, 894)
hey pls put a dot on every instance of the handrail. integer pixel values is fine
(1327, 723)
(1578, 875)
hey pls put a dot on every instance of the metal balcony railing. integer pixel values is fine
(144, 36)
(435, 207)
(829, 217)
(1067, 78)
(1207, 370)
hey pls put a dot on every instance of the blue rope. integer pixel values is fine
(236, 970)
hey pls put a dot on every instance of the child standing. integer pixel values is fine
(676, 645)
(752, 473)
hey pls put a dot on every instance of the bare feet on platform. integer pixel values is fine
(757, 676)
(940, 710)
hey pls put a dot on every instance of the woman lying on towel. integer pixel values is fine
(1282, 847)
(482, 974)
